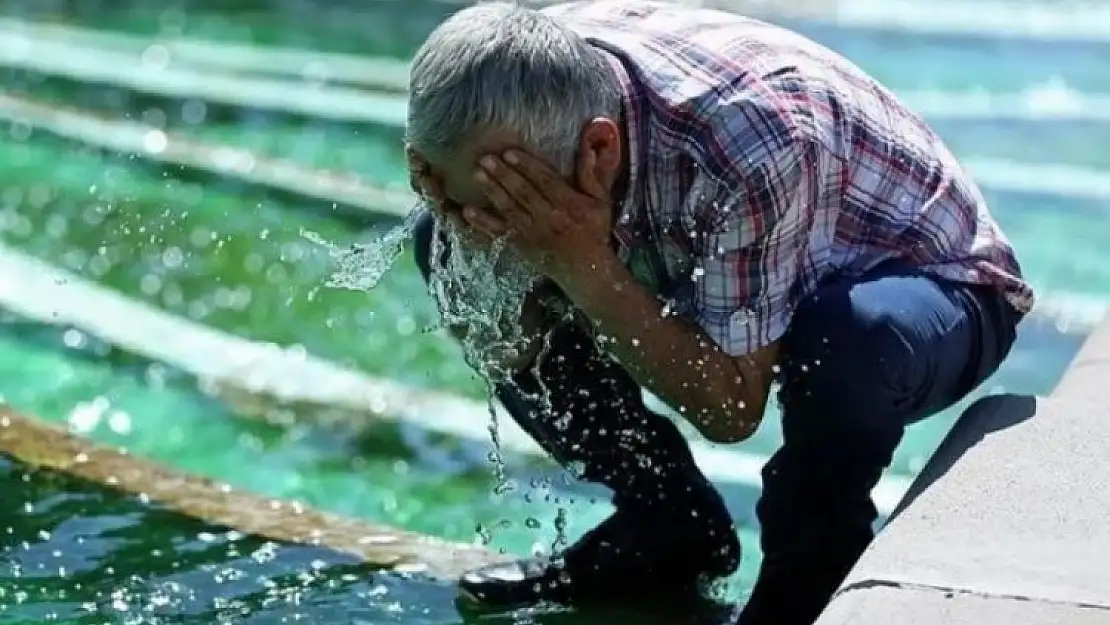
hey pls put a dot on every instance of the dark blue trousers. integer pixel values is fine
(864, 357)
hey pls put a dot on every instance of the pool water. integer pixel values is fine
(234, 257)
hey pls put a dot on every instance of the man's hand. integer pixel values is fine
(560, 230)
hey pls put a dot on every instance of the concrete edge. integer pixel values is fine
(856, 601)
(927, 605)
(948, 592)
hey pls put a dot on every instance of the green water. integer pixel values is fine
(74, 548)
(234, 258)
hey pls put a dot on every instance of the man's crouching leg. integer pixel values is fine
(670, 529)
(864, 358)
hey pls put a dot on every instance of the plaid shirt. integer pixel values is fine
(762, 163)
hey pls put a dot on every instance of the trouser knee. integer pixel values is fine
(845, 394)
(849, 371)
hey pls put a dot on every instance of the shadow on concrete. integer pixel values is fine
(982, 418)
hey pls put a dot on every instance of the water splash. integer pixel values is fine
(363, 265)
(480, 291)
(561, 520)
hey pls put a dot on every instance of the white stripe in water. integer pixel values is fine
(1052, 101)
(384, 73)
(1034, 19)
(1068, 311)
(162, 78)
(1061, 21)
(123, 67)
(1042, 178)
(128, 136)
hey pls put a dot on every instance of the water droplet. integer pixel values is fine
(485, 536)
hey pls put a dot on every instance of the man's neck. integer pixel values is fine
(620, 185)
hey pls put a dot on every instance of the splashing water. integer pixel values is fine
(480, 292)
(363, 265)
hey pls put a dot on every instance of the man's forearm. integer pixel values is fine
(668, 356)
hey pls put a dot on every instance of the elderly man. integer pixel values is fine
(721, 203)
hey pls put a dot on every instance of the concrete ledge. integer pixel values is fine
(930, 606)
(1008, 521)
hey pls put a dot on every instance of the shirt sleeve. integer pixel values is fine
(755, 234)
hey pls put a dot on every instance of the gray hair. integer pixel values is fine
(497, 66)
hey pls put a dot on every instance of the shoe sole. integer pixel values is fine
(475, 604)
(470, 598)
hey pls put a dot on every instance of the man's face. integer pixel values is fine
(479, 289)
(449, 184)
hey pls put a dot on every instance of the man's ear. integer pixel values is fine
(587, 176)
(599, 151)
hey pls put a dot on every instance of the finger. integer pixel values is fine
(484, 222)
(545, 180)
(519, 188)
(588, 180)
(504, 204)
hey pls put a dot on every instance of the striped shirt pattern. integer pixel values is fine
(762, 163)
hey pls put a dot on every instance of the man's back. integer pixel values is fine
(716, 89)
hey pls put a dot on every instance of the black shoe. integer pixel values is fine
(516, 584)
(621, 560)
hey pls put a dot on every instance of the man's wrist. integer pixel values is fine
(596, 271)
